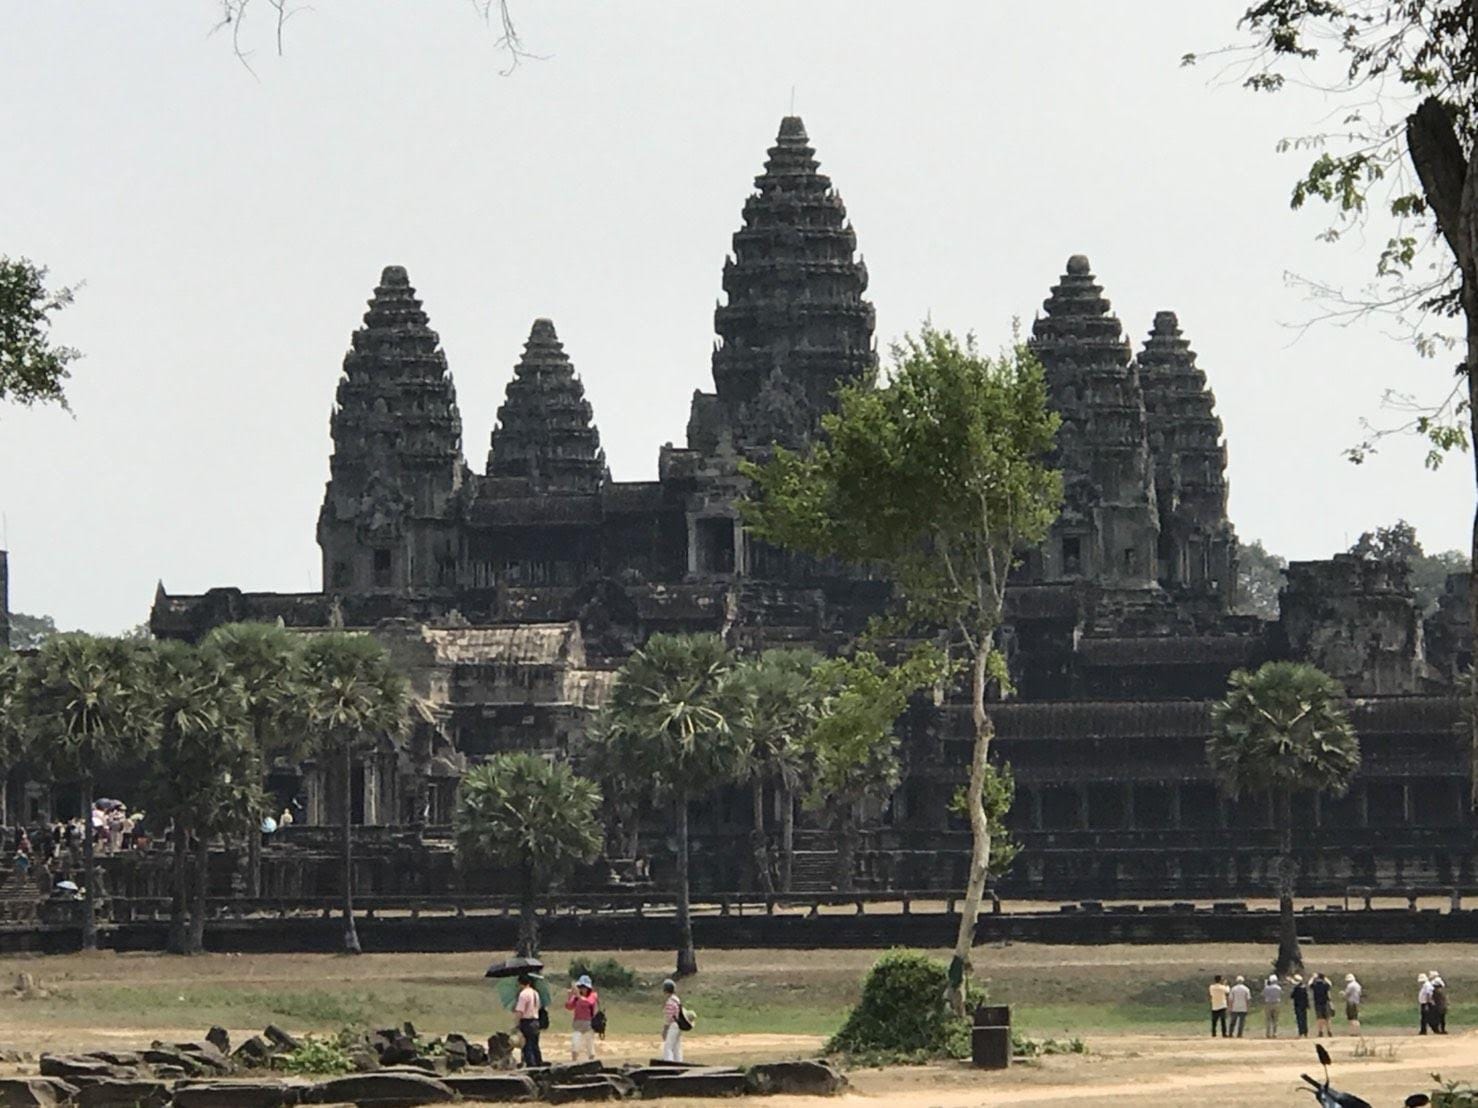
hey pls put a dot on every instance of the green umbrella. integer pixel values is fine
(508, 988)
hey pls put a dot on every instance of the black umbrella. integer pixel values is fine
(512, 967)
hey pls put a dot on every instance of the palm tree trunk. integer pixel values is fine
(979, 832)
(351, 936)
(201, 884)
(687, 955)
(89, 873)
(175, 943)
(759, 841)
(254, 860)
(528, 914)
(787, 837)
(1290, 957)
(846, 825)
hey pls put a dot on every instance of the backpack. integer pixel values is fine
(686, 1017)
(598, 1021)
(543, 1018)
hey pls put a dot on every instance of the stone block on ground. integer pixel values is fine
(364, 1061)
(589, 1093)
(71, 1067)
(236, 1094)
(382, 1090)
(253, 1052)
(219, 1038)
(35, 1092)
(400, 1050)
(477, 1054)
(558, 1071)
(639, 1074)
(167, 1056)
(112, 1093)
(494, 1087)
(117, 1057)
(694, 1083)
(804, 1077)
(280, 1039)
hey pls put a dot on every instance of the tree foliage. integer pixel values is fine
(1259, 579)
(29, 632)
(33, 366)
(1428, 573)
(520, 810)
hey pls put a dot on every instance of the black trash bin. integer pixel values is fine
(990, 1037)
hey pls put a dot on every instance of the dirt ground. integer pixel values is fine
(1138, 1010)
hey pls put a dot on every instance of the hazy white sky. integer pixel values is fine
(228, 230)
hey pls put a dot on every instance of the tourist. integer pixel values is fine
(286, 819)
(1272, 1000)
(1323, 1009)
(526, 1012)
(582, 1003)
(1439, 1003)
(1353, 994)
(1300, 997)
(1424, 1001)
(1238, 1003)
(1219, 993)
(672, 1032)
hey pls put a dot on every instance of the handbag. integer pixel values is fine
(543, 1018)
(686, 1017)
(598, 1022)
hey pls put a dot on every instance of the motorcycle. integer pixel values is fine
(1330, 1097)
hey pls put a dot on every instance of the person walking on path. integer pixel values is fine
(1439, 1003)
(582, 1004)
(1424, 1001)
(1238, 1003)
(1323, 1006)
(1299, 994)
(1353, 995)
(672, 1032)
(1272, 1001)
(526, 1012)
(1218, 992)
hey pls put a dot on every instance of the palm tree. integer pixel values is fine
(83, 697)
(354, 696)
(524, 812)
(671, 713)
(778, 705)
(1283, 730)
(203, 773)
(267, 660)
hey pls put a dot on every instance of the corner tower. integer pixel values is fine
(1108, 531)
(796, 324)
(397, 464)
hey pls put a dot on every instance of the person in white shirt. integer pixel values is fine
(1239, 1001)
(1272, 1001)
(672, 1032)
(1424, 1001)
(1353, 995)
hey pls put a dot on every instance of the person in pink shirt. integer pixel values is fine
(526, 1012)
(672, 1033)
(582, 1004)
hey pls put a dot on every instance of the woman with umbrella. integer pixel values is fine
(526, 1012)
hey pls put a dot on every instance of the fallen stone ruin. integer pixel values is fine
(395, 1068)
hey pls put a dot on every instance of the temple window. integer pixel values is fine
(1072, 554)
(382, 568)
(715, 545)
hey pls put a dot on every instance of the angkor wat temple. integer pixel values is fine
(511, 595)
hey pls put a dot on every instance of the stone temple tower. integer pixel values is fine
(796, 324)
(386, 524)
(1109, 528)
(545, 432)
(1198, 547)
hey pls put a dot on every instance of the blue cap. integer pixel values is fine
(584, 980)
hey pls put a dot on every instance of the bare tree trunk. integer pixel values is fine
(787, 837)
(959, 966)
(351, 936)
(846, 879)
(254, 861)
(759, 841)
(1290, 957)
(89, 871)
(196, 943)
(528, 914)
(687, 954)
(178, 899)
(1470, 308)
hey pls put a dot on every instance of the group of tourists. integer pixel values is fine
(1230, 1004)
(588, 1020)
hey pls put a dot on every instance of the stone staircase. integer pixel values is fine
(18, 898)
(813, 871)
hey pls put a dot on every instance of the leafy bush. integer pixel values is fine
(903, 1015)
(606, 973)
(1022, 1047)
(317, 1056)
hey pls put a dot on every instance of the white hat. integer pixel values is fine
(1422, 978)
(1240, 979)
(1349, 977)
(1298, 979)
(1272, 979)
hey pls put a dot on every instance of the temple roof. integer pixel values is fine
(1185, 433)
(545, 431)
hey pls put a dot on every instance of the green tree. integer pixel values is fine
(32, 365)
(29, 632)
(778, 700)
(671, 713)
(354, 698)
(267, 660)
(12, 723)
(939, 478)
(996, 798)
(1259, 579)
(1282, 731)
(87, 710)
(529, 814)
(201, 772)
(1428, 573)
